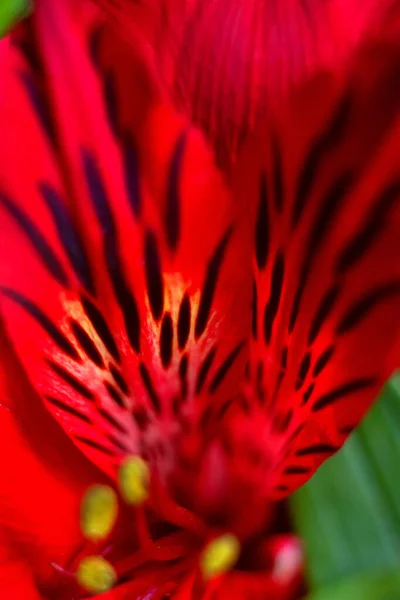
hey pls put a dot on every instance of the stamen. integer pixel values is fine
(134, 478)
(99, 511)
(95, 574)
(219, 556)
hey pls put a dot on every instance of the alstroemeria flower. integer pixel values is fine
(192, 342)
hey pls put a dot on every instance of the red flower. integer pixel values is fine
(224, 330)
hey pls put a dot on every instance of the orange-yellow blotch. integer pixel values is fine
(219, 556)
(99, 510)
(96, 575)
(134, 479)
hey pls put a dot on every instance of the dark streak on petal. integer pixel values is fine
(361, 309)
(183, 369)
(262, 226)
(56, 335)
(308, 393)
(39, 106)
(184, 322)
(204, 370)
(131, 172)
(118, 378)
(303, 370)
(224, 368)
(101, 327)
(95, 445)
(173, 200)
(318, 152)
(68, 235)
(210, 284)
(277, 175)
(345, 389)
(115, 394)
(105, 217)
(373, 225)
(113, 422)
(87, 344)
(254, 312)
(111, 102)
(293, 470)
(330, 205)
(70, 379)
(323, 312)
(272, 306)
(317, 449)
(38, 241)
(155, 400)
(154, 279)
(166, 340)
(66, 408)
(322, 361)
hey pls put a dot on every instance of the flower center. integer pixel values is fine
(189, 541)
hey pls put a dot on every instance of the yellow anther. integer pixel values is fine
(95, 574)
(134, 478)
(219, 556)
(99, 511)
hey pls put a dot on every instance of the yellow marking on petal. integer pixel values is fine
(134, 479)
(219, 556)
(96, 575)
(99, 511)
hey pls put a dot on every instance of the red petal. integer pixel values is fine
(42, 476)
(225, 62)
(15, 576)
(123, 240)
(326, 265)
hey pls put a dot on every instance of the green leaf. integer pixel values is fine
(349, 513)
(377, 586)
(12, 11)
